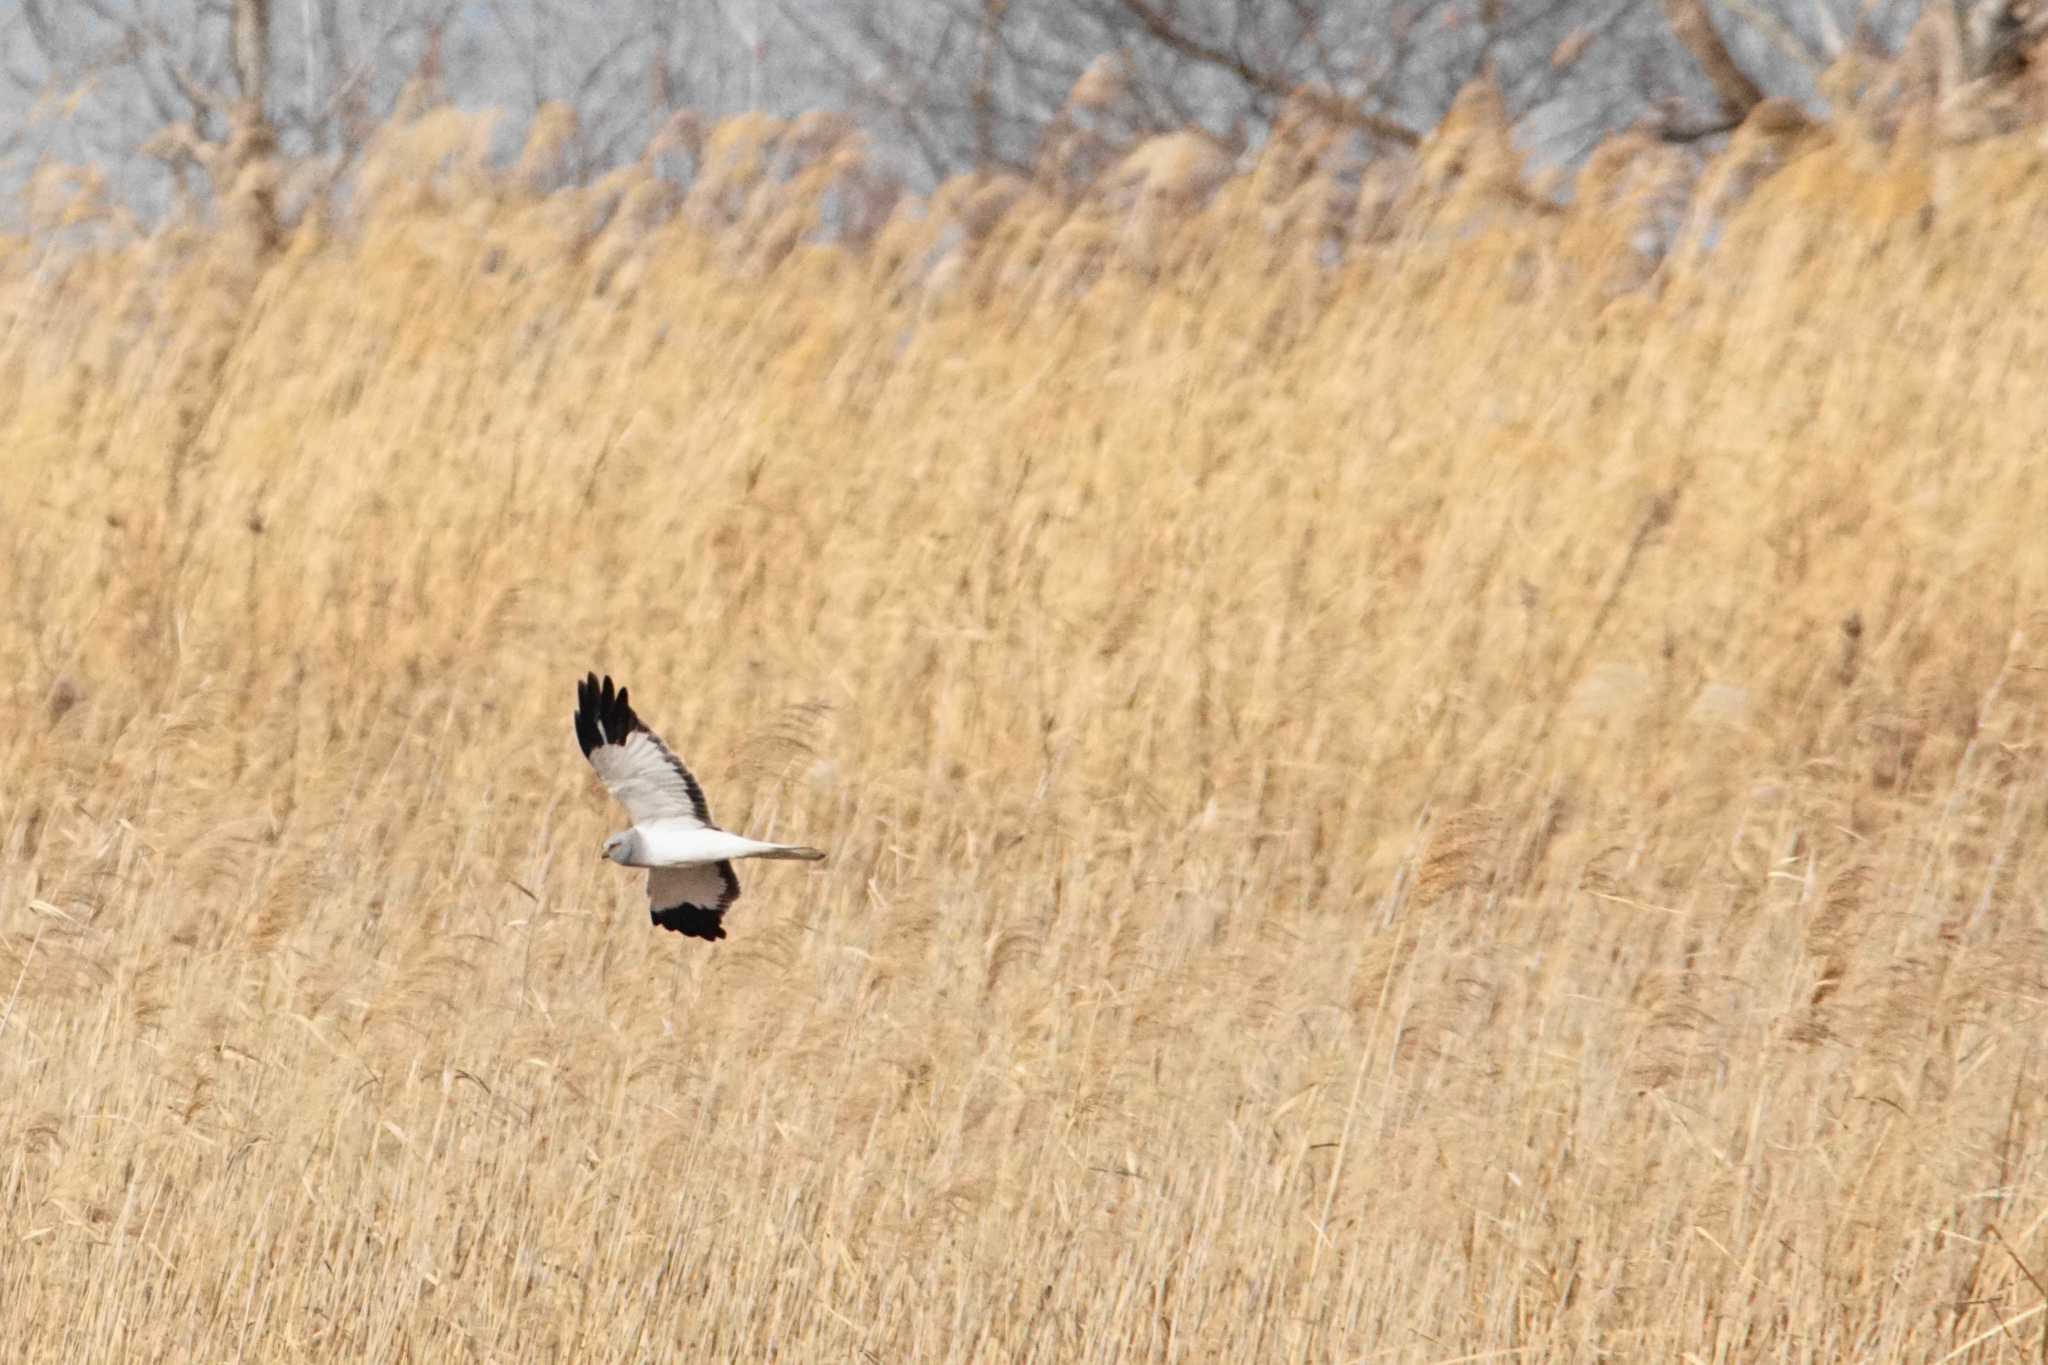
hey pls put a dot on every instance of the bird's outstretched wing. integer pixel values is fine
(692, 900)
(649, 781)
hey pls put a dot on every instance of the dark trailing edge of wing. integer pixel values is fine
(700, 921)
(605, 716)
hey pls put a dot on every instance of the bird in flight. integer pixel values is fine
(690, 881)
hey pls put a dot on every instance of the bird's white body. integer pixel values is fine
(685, 843)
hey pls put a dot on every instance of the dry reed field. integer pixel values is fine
(1393, 794)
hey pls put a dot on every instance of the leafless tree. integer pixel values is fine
(108, 76)
(977, 83)
(948, 85)
(181, 77)
(1964, 43)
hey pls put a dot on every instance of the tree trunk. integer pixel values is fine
(249, 185)
(252, 50)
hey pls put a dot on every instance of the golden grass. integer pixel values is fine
(1415, 811)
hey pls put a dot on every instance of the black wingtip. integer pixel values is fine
(701, 921)
(589, 733)
(692, 921)
(604, 714)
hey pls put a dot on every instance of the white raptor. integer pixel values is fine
(691, 882)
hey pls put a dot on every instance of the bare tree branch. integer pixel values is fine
(1781, 35)
(1694, 27)
(1161, 27)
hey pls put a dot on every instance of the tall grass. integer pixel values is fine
(1452, 800)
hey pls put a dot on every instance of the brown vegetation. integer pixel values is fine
(1410, 774)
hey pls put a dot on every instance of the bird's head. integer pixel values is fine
(619, 847)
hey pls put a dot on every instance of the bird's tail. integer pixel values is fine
(797, 852)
